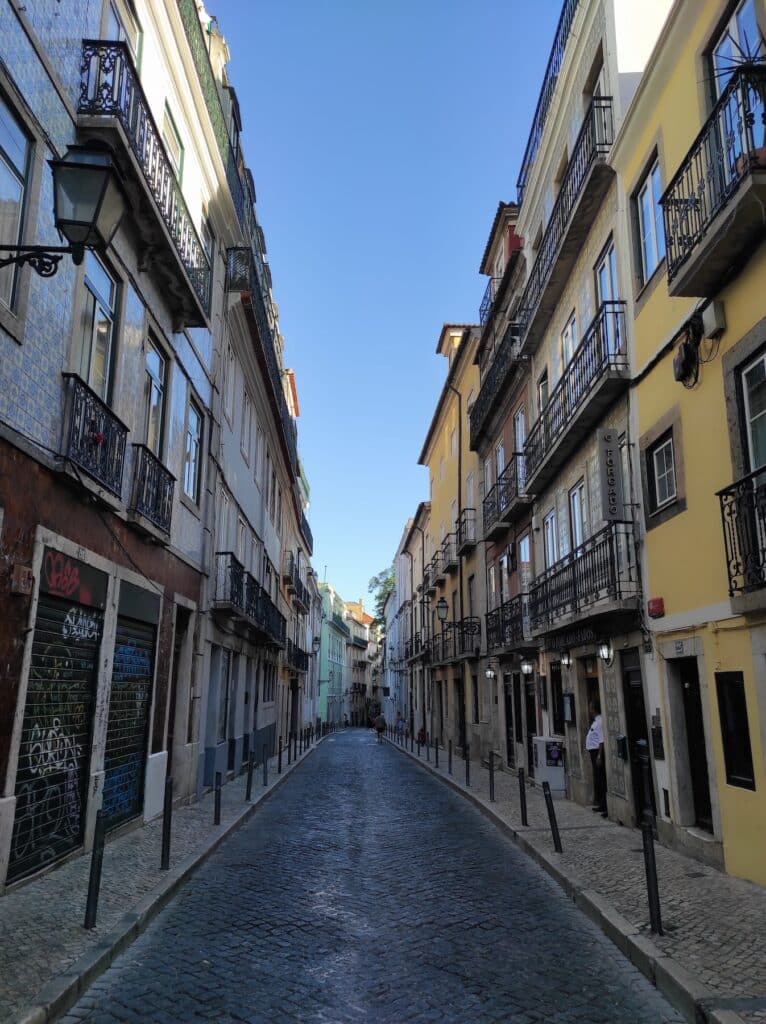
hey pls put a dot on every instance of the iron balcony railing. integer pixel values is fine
(427, 577)
(604, 566)
(466, 529)
(153, 486)
(731, 143)
(456, 639)
(443, 644)
(495, 380)
(109, 86)
(359, 641)
(242, 277)
(94, 438)
(511, 484)
(238, 589)
(594, 141)
(449, 553)
(508, 625)
(437, 567)
(308, 536)
(603, 348)
(743, 515)
(555, 60)
(288, 574)
(297, 658)
(490, 293)
(339, 623)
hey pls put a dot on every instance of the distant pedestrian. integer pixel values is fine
(345, 721)
(380, 725)
(399, 725)
(594, 744)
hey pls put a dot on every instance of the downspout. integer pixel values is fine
(423, 566)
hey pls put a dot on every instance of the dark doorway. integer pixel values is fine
(460, 704)
(182, 624)
(637, 729)
(531, 715)
(518, 723)
(510, 745)
(688, 675)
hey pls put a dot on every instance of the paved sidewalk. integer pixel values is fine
(712, 958)
(44, 949)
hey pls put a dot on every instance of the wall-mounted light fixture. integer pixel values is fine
(442, 609)
(605, 651)
(527, 667)
(316, 644)
(566, 659)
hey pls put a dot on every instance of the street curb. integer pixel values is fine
(682, 989)
(61, 993)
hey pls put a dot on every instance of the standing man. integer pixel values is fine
(380, 726)
(399, 725)
(594, 744)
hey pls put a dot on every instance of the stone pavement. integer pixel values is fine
(715, 925)
(41, 933)
(367, 891)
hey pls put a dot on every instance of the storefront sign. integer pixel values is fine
(610, 475)
(72, 579)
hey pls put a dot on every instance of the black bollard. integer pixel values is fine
(436, 753)
(289, 750)
(467, 765)
(492, 775)
(217, 800)
(412, 741)
(522, 798)
(96, 864)
(250, 766)
(265, 766)
(300, 741)
(428, 750)
(552, 817)
(418, 745)
(647, 837)
(167, 818)
(449, 757)
(295, 746)
(279, 757)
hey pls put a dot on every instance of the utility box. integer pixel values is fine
(550, 758)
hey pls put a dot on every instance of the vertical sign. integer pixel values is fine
(610, 475)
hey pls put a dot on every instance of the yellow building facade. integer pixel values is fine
(691, 166)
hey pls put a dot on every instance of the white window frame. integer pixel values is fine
(667, 473)
(651, 235)
(578, 514)
(193, 453)
(550, 538)
(569, 340)
(749, 419)
(246, 431)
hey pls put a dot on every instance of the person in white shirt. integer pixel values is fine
(594, 744)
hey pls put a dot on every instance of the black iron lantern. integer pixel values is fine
(442, 609)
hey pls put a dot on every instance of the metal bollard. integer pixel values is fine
(523, 798)
(449, 757)
(265, 766)
(492, 775)
(647, 837)
(418, 746)
(279, 757)
(96, 864)
(217, 800)
(436, 753)
(300, 741)
(167, 818)
(295, 746)
(552, 817)
(412, 741)
(428, 750)
(250, 766)
(467, 765)
(289, 750)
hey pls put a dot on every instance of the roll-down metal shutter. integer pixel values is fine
(127, 728)
(52, 775)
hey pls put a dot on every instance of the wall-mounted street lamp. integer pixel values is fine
(442, 609)
(566, 658)
(88, 204)
(316, 643)
(527, 667)
(606, 651)
(489, 672)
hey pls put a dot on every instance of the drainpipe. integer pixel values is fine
(423, 565)
(455, 391)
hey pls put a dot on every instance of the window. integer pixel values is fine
(661, 472)
(95, 329)
(607, 292)
(246, 438)
(14, 169)
(228, 389)
(568, 341)
(122, 25)
(156, 382)
(193, 452)
(223, 521)
(650, 225)
(519, 440)
(492, 588)
(487, 476)
(499, 459)
(735, 730)
(740, 38)
(173, 145)
(754, 402)
(542, 392)
(208, 240)
(470, 494)
(242, 540)
(550, 537)
(502, 574)
(578, 513)
(273, 494)
(471, 596)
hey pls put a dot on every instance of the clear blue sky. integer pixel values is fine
(381, 135)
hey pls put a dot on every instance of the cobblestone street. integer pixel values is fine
(337, 902)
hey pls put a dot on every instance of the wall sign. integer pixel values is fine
(610, 475)
(72, 579)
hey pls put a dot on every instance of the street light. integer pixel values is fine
(88, 204)
(315, 644)
(605, 651)
(527, 667)
(566, 658)
(442, 609)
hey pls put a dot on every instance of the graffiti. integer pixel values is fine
(122, 787)
(131, 663)
(51, 749)
(47, 814)
(80, 625)
(61, 576)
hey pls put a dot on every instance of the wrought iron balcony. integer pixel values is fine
(597, 374)
(308, 536)
(340, 624)
(427, 578)
(495, 382)
(743, 515)
(437, 568)
(359, 641)
(599, 575)
(229, 582)
(508, 625)
(110, 89)
(583, 186)
(466, 531)
(713, 206)
(506, 498)
(467, 636)
(288, 571)
(297, 658)
(239, 594)
(153, 486)
(94, 439)
(443, 644)
(449, 553)
(489, 297)
(555, 60)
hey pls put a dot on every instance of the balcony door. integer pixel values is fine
(754, 404)
(95, 329)
(606, 291)
(519, 440)
(740, 40)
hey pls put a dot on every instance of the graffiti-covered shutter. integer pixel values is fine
(126, 736)
(52, 775)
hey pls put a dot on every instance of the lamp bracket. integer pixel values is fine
(44, 259)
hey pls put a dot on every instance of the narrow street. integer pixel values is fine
(365, 890)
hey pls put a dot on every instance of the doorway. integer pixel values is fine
(688, 675)
(183, 616)
(510, 746)
(637, 730)
(531, 716)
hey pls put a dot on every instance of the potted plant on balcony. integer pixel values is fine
(746, 106)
